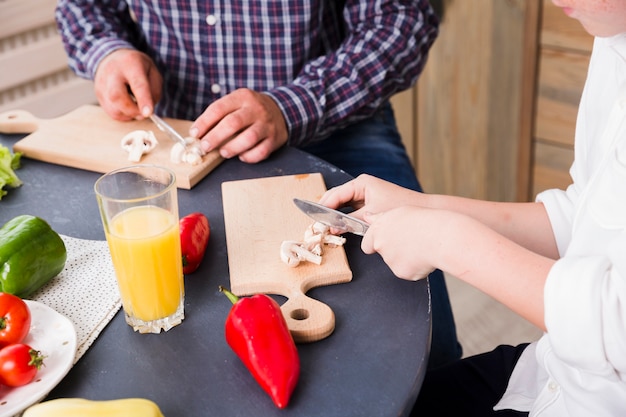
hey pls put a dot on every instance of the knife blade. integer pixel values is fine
(164, 126)
(168, 130)
(333, 218)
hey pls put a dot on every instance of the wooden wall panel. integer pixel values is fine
(551, 169)
(497, 103)
(564, 50)
(561, 79)
(560, 31)
(469, 100)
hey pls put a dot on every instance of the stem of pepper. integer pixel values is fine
(232, 297)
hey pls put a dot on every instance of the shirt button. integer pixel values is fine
(211, 20)
(553, 386)
(215, 88)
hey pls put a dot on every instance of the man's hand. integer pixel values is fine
(244, 123)
(124, 71)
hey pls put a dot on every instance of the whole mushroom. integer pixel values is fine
(137, 143)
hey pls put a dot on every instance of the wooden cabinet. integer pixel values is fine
(493, 114)
(471, 98)
(564, 49)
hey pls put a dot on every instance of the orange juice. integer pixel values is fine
(145, 247)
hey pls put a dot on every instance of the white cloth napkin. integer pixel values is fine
(85, 291)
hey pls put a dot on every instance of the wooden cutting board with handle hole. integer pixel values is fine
(259, 215)
(87, 138)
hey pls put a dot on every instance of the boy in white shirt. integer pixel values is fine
(560, 261)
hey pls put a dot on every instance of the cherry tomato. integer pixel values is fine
(14, 319)
(19, 364)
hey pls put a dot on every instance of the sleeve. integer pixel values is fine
(384, 52)
(90, 30)
(585, 300)
(559, 205)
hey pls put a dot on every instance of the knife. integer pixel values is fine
(164, 126)
(168, 130)
(333, 218)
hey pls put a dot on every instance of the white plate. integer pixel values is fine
(55, 337)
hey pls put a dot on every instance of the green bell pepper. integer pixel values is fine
(31, 254)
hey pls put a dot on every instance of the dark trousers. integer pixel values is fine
(469, 387)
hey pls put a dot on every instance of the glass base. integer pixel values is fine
(158, 325)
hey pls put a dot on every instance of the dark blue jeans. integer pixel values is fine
(374, 147)
(469, 387)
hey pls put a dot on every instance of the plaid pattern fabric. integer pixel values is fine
(326, 65)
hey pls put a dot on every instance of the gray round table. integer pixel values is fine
(372, 365)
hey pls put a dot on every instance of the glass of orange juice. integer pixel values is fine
(139, 209)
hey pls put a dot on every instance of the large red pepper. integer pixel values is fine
(194, 237)
(257, 332)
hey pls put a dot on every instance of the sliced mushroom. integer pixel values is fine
(292, 253)
(287, 254)
(320, 228)
(307, 255)
(310, 249)
(313, 241)
(334, 240)
(137, 143)
(191, 154)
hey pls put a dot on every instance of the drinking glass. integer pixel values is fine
(139, 210)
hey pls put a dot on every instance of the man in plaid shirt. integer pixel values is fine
(256, 75)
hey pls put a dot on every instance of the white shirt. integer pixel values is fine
(578, 368)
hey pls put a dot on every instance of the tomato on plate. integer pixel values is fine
(19, 364)
(14, 319)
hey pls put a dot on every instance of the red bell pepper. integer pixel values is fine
(194, 237)
(257, 332)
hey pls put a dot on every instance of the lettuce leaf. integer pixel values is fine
(8, 164)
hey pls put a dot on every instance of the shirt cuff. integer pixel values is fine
(559, 207)
(573, 309)
(300, 110)
(99, 50)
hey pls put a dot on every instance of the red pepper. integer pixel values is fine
(257, 332)
(194, 237)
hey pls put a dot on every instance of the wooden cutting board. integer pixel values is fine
(259, 215)
(87, 138)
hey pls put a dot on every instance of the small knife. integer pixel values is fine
(332, 218)
(164, 126)
(167, 129)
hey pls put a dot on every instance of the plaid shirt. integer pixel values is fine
(326, 66)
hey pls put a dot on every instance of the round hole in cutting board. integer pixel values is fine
(300, 314)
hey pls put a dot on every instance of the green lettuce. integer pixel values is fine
(8, 164)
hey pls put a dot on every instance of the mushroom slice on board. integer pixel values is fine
(292, 252)
(310, 249)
